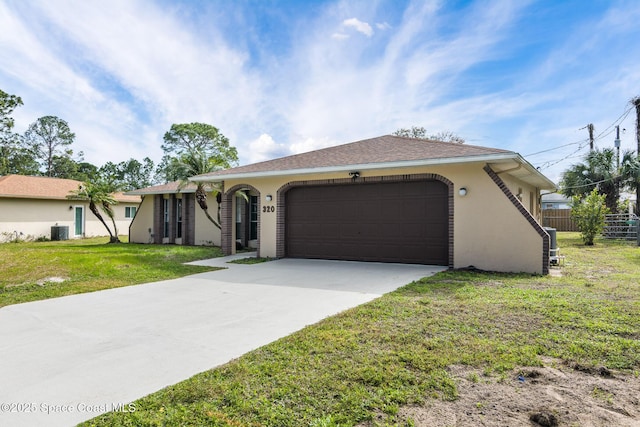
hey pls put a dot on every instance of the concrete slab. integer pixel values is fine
(69, 359)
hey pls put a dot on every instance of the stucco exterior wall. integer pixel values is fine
(141, 228)
(33, 218)
(93, 226)
(489, 232)
(206, 234)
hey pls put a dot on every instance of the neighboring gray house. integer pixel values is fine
(555, 201)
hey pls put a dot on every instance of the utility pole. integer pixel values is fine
(616, 143)
(590, 127)
(636, 102)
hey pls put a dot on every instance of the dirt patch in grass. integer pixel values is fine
(552, 395)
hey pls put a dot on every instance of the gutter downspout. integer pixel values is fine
(510, 170)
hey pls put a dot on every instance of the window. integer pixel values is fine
(130, 211)
(239, 209)
(165, 206)
(531, 204)
(178, 218)
(253, 217)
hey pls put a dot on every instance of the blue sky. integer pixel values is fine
(283, 77)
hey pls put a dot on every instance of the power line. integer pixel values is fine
(606, 132)
(553, 163)
(612, 125)
(555, 148)
(591, 183)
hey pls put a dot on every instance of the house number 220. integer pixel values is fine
(268, 209)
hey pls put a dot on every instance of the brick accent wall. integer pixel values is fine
(282, 192)
(157, 219)
(188, 218)
(228, 221)
(524, 212)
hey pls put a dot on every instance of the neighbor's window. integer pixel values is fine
(130, 211)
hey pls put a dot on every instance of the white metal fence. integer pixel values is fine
(621, 226)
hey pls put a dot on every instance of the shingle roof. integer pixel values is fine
(42, 187)
(383, 149)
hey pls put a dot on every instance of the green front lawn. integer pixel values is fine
(88, 265)
(371, 360)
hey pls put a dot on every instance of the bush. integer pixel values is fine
(589, 215)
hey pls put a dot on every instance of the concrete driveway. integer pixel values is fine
(66, 360)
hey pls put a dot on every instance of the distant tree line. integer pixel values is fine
(45, 150)
(419, 132)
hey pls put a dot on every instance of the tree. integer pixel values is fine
(599, 171)
(63, 167)
(193, 138)
(196, 163)
(413, 132)
(589, 214)
(447, 136)
(8, 103)
(47, 137)
(99, 193)
(129, 175)
(630, 172)
(421, 133)
(195, 149)
(66, 167)
(14, 159)
(86, 172)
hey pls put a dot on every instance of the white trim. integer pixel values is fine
(500, 157)
(361, 166)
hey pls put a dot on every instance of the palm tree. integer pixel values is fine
(197, 162)
(630, 171)
(98, 194)
(600, 171)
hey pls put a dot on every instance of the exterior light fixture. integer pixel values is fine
(269, 197)
(463, 191)
(354, 174)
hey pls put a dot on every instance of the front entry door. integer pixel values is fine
(79, 221)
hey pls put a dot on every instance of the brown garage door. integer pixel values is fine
(406, 222)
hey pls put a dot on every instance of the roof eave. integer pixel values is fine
(538, 178)
(153, 193)
(360, 167)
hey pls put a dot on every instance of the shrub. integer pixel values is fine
(589, 215)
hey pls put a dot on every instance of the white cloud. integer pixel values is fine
(305, 144)
(122, 72)
(166, 73)
(264, 148)
(358, 25)
(339, 36)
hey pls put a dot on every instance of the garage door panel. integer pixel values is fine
(387, 222)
